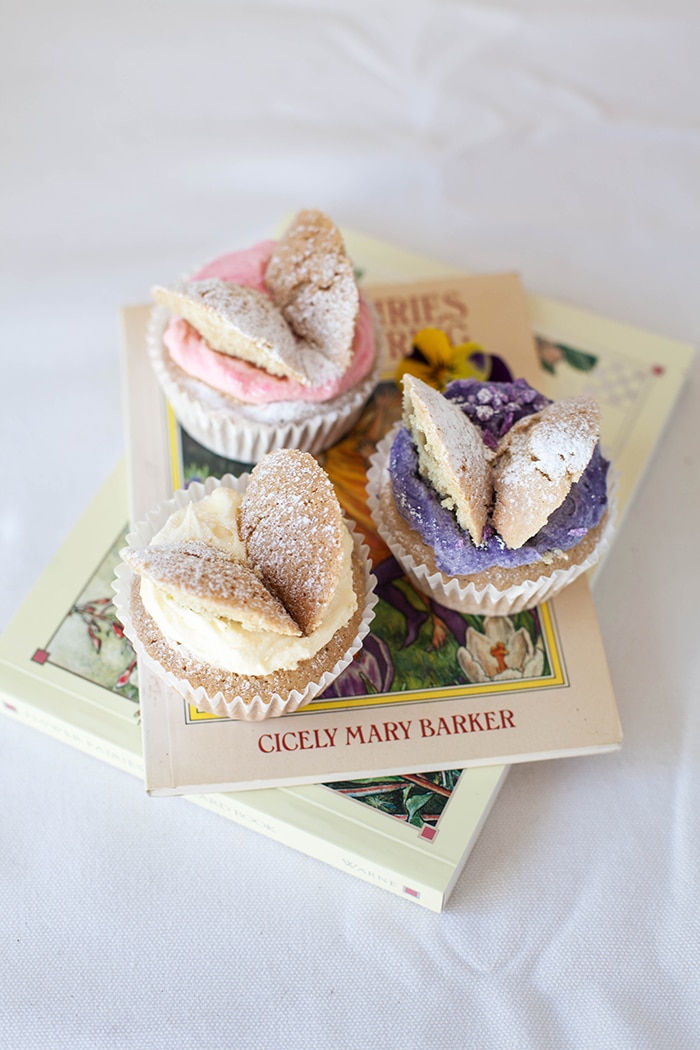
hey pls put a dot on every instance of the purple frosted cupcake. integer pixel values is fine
(490, 496)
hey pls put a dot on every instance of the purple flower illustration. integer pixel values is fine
(372, 671)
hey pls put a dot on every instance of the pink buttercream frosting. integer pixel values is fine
(244, 381)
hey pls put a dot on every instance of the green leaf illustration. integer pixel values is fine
(578, 359)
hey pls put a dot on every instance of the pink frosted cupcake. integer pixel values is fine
(248, 595)
(491, 497)
(271, 347)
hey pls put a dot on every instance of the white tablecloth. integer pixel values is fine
(557, 139)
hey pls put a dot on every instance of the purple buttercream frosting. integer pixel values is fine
(493, 408)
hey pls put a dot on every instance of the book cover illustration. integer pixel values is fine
(431, 688)
(89, 641)
(415, 644)
(67, 670)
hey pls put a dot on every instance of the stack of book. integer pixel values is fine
(391, 774)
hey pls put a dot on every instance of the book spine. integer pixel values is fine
(77, 737)
(235, 806)
(231, 806)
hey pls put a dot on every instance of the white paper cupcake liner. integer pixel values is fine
(247, 432)
(250, 708)
(455, 592)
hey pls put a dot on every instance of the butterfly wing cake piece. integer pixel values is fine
(451, 454)
(311, 279)
(238, 321)
(204, 579)
(538, 461)
(292, 525)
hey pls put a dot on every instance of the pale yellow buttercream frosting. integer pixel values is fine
(223, 643)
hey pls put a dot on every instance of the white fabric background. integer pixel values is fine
(558, 139)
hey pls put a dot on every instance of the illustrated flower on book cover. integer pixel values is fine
(434, 360)
(500, 652)
(90, 640)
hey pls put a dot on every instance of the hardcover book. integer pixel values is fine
(67, 670)
(431, 689)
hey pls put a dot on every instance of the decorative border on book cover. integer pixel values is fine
(621, 384)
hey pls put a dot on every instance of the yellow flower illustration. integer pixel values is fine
(437, 363)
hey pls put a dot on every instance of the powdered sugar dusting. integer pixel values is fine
(312, 281)
(524, 494)
(239, 321)
(205, 579)
(537, 463)
(565, 437)
(292, 525)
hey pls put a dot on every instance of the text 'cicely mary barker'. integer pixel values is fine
(385, 732)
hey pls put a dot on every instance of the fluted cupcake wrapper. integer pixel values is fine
(456, 592)
(231, 429)
(248, 708)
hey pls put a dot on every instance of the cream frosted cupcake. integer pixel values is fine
(271, 347)
(248, 595)
(491, 497)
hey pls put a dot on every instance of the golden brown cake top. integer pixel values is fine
(292, 525)
(238, 321)
(538, 461)
(311, 280)
(203, 578)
